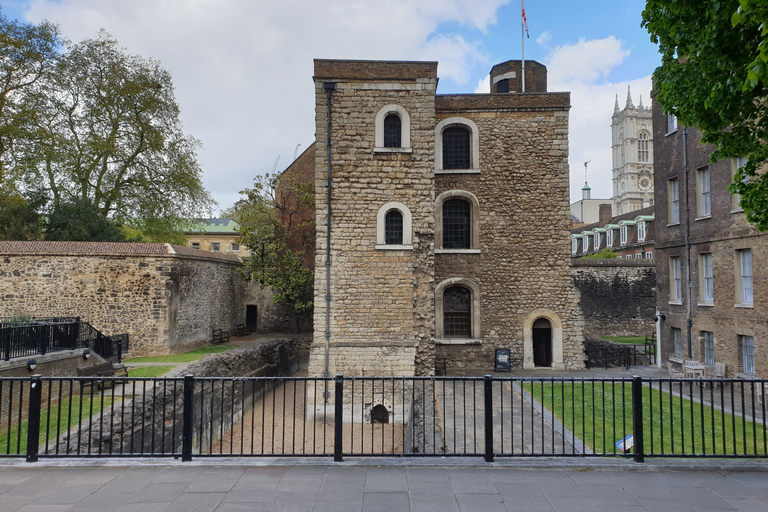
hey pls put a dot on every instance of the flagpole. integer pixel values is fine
(522, 39)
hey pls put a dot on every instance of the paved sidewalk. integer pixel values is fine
(145, 487)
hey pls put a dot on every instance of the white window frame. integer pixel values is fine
(623, 234)
(747, 353)
(596, 241)
(381, 235)
(675, 280)
(671, 123)
(673, 190)
(744, 281)
(609, 238)
(677, 340)
(215, 247)
(638, 255)
(736, 164)
(706, 279)
(195, 245)
(703, 196)
(628, 257)
(405, 130)
(708, 340)
(574, 245)
(649, 255)
(234, 247)
(474, 155)
(643, 153)
(641, 231)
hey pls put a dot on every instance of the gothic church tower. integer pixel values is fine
(632, 153)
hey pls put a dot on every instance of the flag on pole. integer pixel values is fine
(525, 20)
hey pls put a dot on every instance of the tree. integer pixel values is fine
(276, 222)
(19, 218)
(713, 77)
(109, 134)
(81, 221)
(27, 53)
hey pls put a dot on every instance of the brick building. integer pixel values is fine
(712, 269)
(216, 235)
(629, 235)
(448, 217)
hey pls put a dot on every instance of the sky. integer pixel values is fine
(243, 68)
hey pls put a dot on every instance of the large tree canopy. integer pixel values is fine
(27, 53)
(713, 76)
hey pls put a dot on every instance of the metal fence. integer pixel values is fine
(44, 335)
(485, 417)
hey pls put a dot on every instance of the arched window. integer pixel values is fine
(456, 150)
(457, 312)
(642, 147)
(456, 224)
(456, 146)
(393, 228)
(392, 131)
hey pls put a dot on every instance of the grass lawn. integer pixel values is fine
(632, 340)
(149, 371)
(601, 414)
(186, 357)
(66, 414)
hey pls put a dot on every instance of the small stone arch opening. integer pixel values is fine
(542, 342)
(379, 414)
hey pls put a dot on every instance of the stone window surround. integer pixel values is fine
(705, 266)
(474, 222)
(739, 275)
(407, 227)
(557, 338)
(405, 127)
(440, 338)
(736, 164)
(474, 151)
(703, 194)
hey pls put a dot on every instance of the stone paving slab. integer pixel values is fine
(370, 488)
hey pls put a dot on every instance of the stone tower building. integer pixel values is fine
(632, 154)
(448, 218)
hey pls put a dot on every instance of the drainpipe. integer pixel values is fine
(688, 284)
(329, 87)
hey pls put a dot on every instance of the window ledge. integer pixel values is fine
(672, 303)
(392, 150)
(706, 304)
(738, 210)
(670, 133)
(703, 217)
(457, 171)
(673, 224)
(746, 376)
(458, 341)
(745, 306)
(393, 247)
(457, 251)
(676, 359)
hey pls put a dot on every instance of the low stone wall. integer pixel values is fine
(616, 297)
(168, 298)
(606, 354)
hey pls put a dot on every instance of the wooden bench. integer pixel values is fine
(99, 370)
(219, 336)
(240, 330)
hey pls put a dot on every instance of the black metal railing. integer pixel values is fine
(44, 335)
(382, 417)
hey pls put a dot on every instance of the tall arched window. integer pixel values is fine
(642, 147)
(456, 148)
(456, 224)
(392, 131)
(393, 227)
(457, 312)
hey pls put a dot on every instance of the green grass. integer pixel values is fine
(186, 357)
(67, 413)
(632, 340)
(714, 432)
(149, 371)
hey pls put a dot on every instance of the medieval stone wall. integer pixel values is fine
(616, 297)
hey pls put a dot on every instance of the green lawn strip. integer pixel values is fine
(601, 414)
(66, 414)
(149, 371)
(186, 357)
(630, 340)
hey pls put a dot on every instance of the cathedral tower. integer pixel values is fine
(632, 155)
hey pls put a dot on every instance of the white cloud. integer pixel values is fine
(243, 68)
(581, 68)
(483, 85)
(544, 38)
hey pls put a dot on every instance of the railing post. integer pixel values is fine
(186, 414)
(637, 418)
(488, 394)
(33, 417)
(338, 420)
(7, 345)
(119, 351)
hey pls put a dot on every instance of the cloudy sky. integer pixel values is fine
(243, 68)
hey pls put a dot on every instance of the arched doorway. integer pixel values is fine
(542, 342)
(379, 414)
